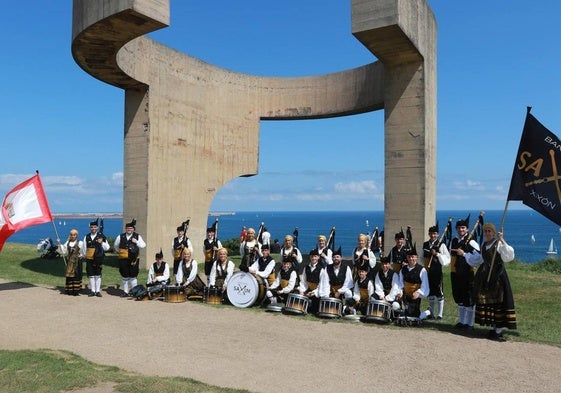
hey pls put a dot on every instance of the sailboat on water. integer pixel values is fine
(552, 250)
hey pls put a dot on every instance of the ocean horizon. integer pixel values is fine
(526, 230)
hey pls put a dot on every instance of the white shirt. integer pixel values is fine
(229, 271)
(152, 274)
(394, 290)
(194, 271)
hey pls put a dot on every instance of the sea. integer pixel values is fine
(527, 231)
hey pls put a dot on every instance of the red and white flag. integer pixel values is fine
(25, 205)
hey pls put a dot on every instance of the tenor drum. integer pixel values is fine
(212, 295)
(296, 304)
(155, 291)
(246, 289)
(378, 311)
(174, 294)
(330, 308)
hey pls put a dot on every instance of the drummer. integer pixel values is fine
(159, 271)
(340, 278)
(314, 283)
(284, 283)
(187, 275)
(363, 289)
(265, 265)
(387, 287)
(222, 270)
(415, 283)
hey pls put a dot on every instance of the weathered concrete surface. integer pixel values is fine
(191, 127)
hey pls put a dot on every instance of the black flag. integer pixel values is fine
(535, 179)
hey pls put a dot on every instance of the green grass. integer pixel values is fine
(536, 287)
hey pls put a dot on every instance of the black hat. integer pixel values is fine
(286, 258)
(211, 229)
(463, 223)
(400, 235)
(338, 252)
(384, 259)
(160, 254)
(265, 247)
(412, 250)
(313, 252)
(434, 229)
(363, 267)
(131, 224)
(96, 222)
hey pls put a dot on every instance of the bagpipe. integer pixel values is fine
(446, 238)
(474, 233)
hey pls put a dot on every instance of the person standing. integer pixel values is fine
(363, 257)
(211, 245)
(325, 253)
(94, 247)
(71, 249)
(128, 245)
(436, 255)
(398, 253)
(250, 250)
(494, 302)
(291, 252)
(265, 236)
(462, 274)
(180, 242)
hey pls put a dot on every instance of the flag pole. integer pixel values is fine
(58, 240)
(495, 250)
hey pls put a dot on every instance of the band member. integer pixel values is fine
(415, 281)
(250, 250)
(363, 290)
(325, 253)
(221, 272)
(158, 272)
(211, 245)
(180, 242)
(285, 282)
(387, 286)
(128, 245)
(291, 252)
(94, 247)
(188, 275)
(314, 283)
(398, 253)
(492, 292)
(265, 265)
(71, 249)
(363, 257)
(340, 278)
(462, 274)
(436, 255)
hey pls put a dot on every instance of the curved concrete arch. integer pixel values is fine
(190, 126)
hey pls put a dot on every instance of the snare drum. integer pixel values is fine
(378, 311)
(246, 289)
(174, 294)
(296, 304)
(330, 308)
(212, 295)
(155, 291)
(407, 321)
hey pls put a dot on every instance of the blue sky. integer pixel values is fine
(493, 61)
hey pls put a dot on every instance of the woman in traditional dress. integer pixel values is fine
(71, 250)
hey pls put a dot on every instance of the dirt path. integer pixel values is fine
(265, 352)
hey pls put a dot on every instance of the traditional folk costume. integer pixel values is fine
(340, 280)
(73, 273)
(285, 282)
(492, 293)
(158, 274)
(414, 279)
(129, 256)
(250, 250)
(398, 254)
(314, 283)
(294, 255)
(362, 292)
(188, 277)
(209, 245)
(94, 250)
(180, 242)
(433, 265)
(387, 287)
(461, 276)
(360, 262)
(325, 253)
(220, 274)
(264, 267)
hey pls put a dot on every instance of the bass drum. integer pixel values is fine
(246, 289)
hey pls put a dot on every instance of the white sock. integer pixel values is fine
(462, 314)
(98, 283)
(424, 314)
(440, 306)
(92, 284)
(126, 284)
(470, 315)
(432, 300)
(134, 282)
